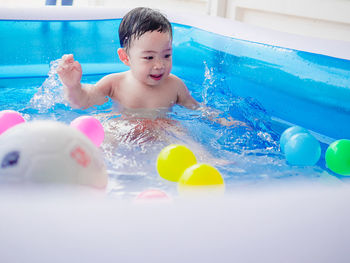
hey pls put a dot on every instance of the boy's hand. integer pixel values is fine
(69, 71)
(232, 122)
(214, 115)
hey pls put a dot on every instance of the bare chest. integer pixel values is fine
(135, 97)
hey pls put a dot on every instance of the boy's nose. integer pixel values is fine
(158, 64)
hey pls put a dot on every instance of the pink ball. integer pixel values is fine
(91, 127)
(153, 194)
(9, 118)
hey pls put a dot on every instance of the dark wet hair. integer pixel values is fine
(140, 20)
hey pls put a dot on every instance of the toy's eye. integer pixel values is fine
(10, 159)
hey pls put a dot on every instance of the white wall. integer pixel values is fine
(187, 6)
(329, 19)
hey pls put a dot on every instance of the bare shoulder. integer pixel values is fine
(173, 77)
(176, 81)
(110, 83)
(111, 79)
(184, 97)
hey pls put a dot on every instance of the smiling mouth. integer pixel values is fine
(156, 77)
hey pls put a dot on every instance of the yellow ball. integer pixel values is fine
(202, 177)
(173, 160)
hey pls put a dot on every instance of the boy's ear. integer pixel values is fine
(123, 56)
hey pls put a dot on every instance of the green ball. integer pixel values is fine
(338, 157)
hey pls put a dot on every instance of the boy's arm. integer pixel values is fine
(214, 115)
(185, 99)
(78, 95)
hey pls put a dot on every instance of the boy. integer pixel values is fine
(146, 47)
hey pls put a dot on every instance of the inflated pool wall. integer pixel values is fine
(297, 80)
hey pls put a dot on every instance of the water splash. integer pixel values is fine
(208, 83)
(254, 136)
(50, 93)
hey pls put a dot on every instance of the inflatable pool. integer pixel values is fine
(267, 79)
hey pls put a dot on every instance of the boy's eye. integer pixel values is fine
(148, 57)
(167, 55)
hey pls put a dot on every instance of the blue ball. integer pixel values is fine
(288, 133)
(302, 149)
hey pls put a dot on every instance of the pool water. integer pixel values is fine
(249, 82)
(245, 157)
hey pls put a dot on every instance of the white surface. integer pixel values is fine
(339, 49)
(298, 224)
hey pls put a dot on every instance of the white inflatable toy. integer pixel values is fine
(50, 152)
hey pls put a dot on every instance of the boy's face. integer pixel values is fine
(150, 57)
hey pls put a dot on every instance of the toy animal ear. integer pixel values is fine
(123, 56)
